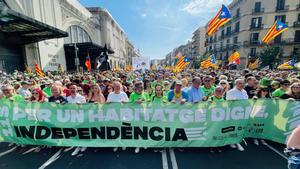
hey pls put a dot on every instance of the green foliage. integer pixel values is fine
(270, 56)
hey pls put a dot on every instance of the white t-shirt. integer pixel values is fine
(235, 94)
(117, 98)
(77, 99)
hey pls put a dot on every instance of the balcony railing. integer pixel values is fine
(282, 9)
(288, 41)
(251, 42)
(236, 17)
(297, 24)
(258, 11)
(254, 27)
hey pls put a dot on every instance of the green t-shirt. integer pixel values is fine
(215, 99)
(159, 99)
(134, 97)
(16, 98)
(209, 91)
(278, 93)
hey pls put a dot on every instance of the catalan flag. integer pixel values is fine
(38, 71)
(179, 55)
(287, 65)
(88, 63)
(254, 65)
(28, 69)
(234, 58)
(182, 63)
(210, 62)
(274, 31)
(222, 17)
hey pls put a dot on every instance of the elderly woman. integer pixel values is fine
(57, 95)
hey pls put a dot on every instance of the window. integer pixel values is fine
(280, 18)
(280, 4)
(228, 41)
(238, 12)
(256, 22)
(235, 40)
(77, 35)
(257, 7)
(237, 27)
(297, 36)
(252, 51)
(277, 39)
(254, 37)
(222, 33)
(228, 30)
(298, 20)
(221, 56)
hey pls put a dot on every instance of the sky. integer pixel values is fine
(156, 27)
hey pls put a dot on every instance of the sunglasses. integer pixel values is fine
(286, 84)
(79, 90)
(35, 93)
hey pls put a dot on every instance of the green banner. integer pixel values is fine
(152, 125)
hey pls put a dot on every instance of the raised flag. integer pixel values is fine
(287, 65)
(38, 71)
(179, 55)
(88, 63)
(274, 31)
(182, 63)
(254, 65)
(222, 17)
(234, 58)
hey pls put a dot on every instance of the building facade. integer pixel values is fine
(79, 34)
(198, 42)
(112, 35)
(251, 19)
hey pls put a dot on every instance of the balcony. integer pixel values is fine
(254, 27)
(282, 9)
(297, 24)
(298, 7)
(234, 32)
(258, 11)
(288, 41)
(236, 17)
(251, 43)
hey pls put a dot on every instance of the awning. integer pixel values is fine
(89, 47)
(21, 29)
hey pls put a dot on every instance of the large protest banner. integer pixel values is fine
(149, 125)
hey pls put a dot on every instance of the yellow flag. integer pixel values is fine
(235, 56)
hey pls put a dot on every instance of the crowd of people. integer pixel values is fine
(160, 86)
(192, 86)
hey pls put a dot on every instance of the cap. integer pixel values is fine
(178, 82)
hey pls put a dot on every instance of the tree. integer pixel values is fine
(269, 56)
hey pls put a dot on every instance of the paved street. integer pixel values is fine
(258, 157)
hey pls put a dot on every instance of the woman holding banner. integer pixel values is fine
(95, 95)
(293, 149)
(38, 96)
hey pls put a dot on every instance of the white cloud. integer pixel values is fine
(196, 7)
(143, 15)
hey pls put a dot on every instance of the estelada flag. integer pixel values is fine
(222, 17)
(38, 71)
(182, 63)
(88, 63)
(274, 31)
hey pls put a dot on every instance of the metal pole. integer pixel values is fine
(76, 58)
